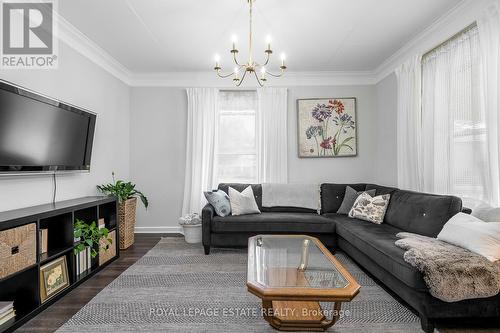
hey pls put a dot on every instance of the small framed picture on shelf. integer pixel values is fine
(53, 278)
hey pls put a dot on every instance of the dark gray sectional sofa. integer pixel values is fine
(370, 245)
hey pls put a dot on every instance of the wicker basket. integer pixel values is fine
(106, 255)
(17, 249)
(126, 221)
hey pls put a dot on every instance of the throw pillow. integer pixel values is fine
(243, 203)
(350, 197)
(370, 209)
(220, 201)
(487, 213)
(471, 233)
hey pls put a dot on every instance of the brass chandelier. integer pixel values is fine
(250, 67)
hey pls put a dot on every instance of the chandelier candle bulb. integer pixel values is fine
(217, 59)
(234, 39)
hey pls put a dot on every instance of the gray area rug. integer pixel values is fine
(176, 288)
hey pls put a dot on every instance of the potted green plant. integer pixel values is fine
(126, 194)
(90, 236)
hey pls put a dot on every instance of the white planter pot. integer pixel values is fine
(192, 233)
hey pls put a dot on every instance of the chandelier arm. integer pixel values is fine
(267, 59)
(276, 75)
(223, 75)
(258, 80)
(236, 60)
(241, 80)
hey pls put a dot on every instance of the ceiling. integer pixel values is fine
(152, 36)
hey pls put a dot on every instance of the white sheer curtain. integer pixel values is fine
(489, 37)
(409, 140)
(200, 140)
(455, 138)
(273, 135)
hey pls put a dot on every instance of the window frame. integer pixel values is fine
(255, 152)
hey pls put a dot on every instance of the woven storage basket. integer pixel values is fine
(17, 249)
(126, 221)
(106, 255)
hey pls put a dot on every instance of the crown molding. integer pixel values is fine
(210, 79)
(70, 35)
(457, 18)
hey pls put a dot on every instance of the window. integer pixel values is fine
(236, 160)
(453, 118)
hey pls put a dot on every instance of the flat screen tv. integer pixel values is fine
(39, 134)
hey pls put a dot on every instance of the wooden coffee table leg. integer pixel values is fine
(268, 313)
(336, 314)
(289, 316)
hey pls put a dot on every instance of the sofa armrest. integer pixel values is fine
(466, 210)
(207, 214)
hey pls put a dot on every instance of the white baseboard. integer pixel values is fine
(158, 230)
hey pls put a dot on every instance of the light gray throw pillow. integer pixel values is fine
(350, 197)
(243, 203)
(220, 201)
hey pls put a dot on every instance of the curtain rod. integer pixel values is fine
(464, 30)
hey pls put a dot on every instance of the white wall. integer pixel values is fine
(80, 82)
(387, 104)
(157, 160)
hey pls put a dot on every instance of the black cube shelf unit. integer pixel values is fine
(23, 287)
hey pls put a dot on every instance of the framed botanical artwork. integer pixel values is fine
(327, 127)
(53, 278)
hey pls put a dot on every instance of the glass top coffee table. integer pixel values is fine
(292, 274)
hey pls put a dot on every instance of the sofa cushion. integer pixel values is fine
(421, 213)
(274, 222)
(377, 242)
(332, 196)
(256, 188)
(380, 190)
(281, 209)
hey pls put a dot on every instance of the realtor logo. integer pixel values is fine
(28, 34)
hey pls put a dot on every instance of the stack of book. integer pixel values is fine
(44, 240)
(83, 261)
(7, 314)
(101, 223)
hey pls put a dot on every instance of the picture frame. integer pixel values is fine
(53, 278)
(327, 127)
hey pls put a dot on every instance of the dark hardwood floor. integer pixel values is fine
(61, 311)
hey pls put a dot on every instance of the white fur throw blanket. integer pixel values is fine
(291, 195)
(450, 272)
